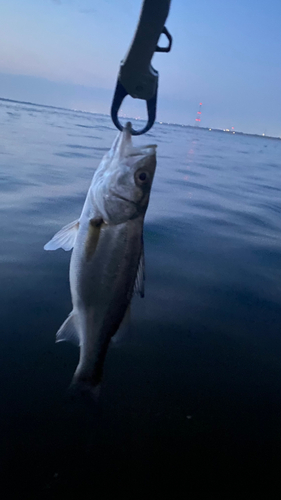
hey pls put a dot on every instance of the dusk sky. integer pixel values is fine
(225, 54)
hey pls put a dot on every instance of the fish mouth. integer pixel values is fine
(124, 199)
(123, 146)
(123, 142)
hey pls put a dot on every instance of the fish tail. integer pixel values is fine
(84, 387)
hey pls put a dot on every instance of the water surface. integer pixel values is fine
(191, 399)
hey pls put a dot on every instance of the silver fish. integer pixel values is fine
(107, 262)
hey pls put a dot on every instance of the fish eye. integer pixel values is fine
(142, 176)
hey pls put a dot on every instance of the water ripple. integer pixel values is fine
(72, 155)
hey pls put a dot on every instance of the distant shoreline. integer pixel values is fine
(230, 132)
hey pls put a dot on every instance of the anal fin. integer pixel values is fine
(68, 331)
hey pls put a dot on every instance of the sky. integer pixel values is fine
(225, 54)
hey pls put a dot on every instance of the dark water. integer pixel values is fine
(191, 400)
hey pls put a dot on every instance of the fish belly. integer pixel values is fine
(102, 276)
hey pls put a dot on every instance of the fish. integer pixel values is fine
(107, 261)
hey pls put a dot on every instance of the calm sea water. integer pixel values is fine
(191, 399)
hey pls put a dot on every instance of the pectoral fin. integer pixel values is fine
(93, 236)
(65, 238)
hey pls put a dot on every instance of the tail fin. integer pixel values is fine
(85, 389)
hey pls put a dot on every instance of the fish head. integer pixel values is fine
(123, 185)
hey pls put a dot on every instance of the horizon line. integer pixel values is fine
(140, 119)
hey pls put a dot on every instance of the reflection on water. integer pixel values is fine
(194, 393)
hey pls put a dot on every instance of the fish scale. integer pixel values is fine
(107, 262)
